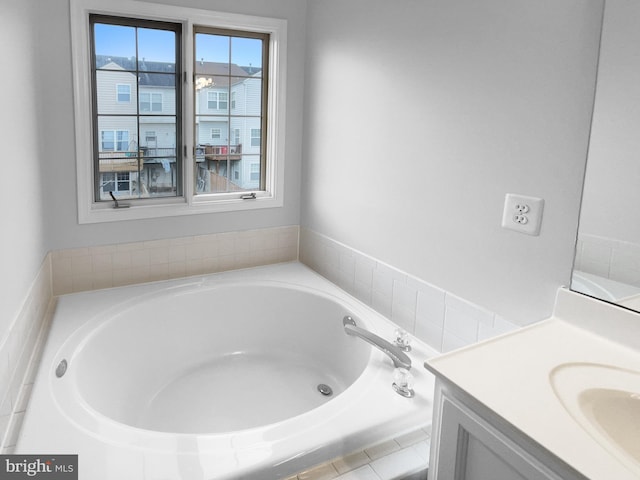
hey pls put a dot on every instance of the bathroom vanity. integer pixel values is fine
(559, 399)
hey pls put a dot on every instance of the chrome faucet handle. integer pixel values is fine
(402, 339)
(403, 382)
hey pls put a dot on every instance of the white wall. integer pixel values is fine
(22, 247)
(612, 184)
(485, 98)
(59, 165)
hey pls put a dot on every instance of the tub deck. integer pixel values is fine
(368, 418)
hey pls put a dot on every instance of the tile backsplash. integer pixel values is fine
(441, 319)
(91, 268)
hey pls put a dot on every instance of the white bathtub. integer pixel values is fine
(216, 377)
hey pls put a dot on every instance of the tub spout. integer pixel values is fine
(399, 358)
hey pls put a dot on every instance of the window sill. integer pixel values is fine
(105, 212)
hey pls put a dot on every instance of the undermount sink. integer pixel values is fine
(605, 401)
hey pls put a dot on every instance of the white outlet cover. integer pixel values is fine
(513, 204)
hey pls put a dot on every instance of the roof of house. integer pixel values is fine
(150, 72)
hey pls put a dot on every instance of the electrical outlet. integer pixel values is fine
(522, 214)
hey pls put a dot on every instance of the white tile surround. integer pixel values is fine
(19, 355)
(441, 319)
(609, 258)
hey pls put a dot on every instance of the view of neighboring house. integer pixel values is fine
(136, 128)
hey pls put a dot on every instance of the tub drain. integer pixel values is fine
(325, 390)
(61, 369)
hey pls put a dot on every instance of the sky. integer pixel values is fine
(159, 45)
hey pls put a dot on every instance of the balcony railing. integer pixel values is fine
(134, 161)
(203, 152)
(218, 152)
(147, 152)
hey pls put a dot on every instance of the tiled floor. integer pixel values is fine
(402, 458)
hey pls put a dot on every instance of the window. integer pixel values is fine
(146, 111)
(255, 137)
(229, 62)
(114, 140)
(212, 103)
(222, 100)
(116, 182)
(146, 51)
(123, 93)
(150, 102)
(255, 172)
(107, 141)
(217, 100)
(122, 140)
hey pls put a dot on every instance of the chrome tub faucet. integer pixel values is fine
(399, 358)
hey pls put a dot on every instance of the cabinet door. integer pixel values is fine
(471, 449)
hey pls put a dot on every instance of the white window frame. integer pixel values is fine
(216, 133)
(90, 211)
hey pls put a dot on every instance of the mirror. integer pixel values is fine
(607, 264)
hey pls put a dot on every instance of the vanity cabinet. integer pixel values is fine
(472, 443)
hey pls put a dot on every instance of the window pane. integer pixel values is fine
(107, 139)
(255, 172)
(118, 134)
(137, 106)
(158, 136)
(206, 125)
(111, 90)
(255, 137)
(247, 53)
(107, 183)
(159, 93)
(248, 96)
(123, 184)
(123, 92)
(112, 44)
(223, 101)
(228, 118)
(159, 177)
(212, 100)
(156, 50)
(211, 49)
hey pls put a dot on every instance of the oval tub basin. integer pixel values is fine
(216, 377)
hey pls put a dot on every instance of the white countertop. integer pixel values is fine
(511, 375)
